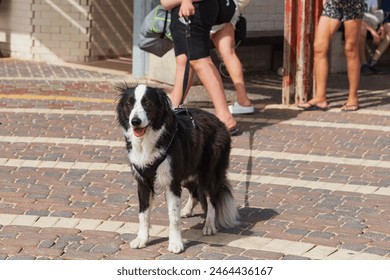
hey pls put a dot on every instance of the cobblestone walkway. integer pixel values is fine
(309, 185)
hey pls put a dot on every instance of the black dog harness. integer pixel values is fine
(149, 172)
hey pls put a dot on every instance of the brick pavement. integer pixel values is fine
(309, 185)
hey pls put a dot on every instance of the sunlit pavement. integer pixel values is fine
(308, 185)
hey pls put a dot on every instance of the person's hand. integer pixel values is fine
(187, 9)
(376, 38)
(381, 32)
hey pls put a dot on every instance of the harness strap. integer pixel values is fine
(150, 170)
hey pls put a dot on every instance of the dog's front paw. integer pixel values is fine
(138, 243)
(209, 229)
(175, 247)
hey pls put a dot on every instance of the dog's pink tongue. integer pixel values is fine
(138, 132)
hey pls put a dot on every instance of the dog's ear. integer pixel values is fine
(164, 99)
(164, 113)
(124, 104)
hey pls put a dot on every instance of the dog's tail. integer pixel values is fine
(226, 211)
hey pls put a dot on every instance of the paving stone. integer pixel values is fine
(62, 214)
(8, 234)
(10, 249)
(105, 249)
(377, 251)
(291, 257)
(24, 220)
(49, 253)
(171, 257)
(353, 247)
(85, 247)
(320, 234)
(21, 258)
(77, 255)
(298, 231)
(212, 256)
(46, 244)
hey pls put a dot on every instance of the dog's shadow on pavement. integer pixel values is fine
(248, 218)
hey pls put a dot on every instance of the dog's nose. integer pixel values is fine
(135, 121)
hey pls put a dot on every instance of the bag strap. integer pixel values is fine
(162, 35)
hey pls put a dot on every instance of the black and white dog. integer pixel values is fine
(168, 151)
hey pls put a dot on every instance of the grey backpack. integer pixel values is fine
(155, 36)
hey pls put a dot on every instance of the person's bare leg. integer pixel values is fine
(362, 43)
(224, 42)
(352, 31)
(177, 91)
(384, 43)
(211, 80)
(323, 36)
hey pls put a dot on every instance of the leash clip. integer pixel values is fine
(183, 110)
(185, 20)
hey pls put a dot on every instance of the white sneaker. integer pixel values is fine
(237, 109)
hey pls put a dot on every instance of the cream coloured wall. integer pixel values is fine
(65, 30)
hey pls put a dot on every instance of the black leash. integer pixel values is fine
(187, 29)
(182, 108)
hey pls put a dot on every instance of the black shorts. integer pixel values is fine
(205, 16)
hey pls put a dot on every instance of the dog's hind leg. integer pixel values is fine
(175, 240)
(189, 207)
(193, 199)
(145, 199)
(209, 226)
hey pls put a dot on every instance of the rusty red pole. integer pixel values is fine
(304, 68)
(301, 17)
(289, 51)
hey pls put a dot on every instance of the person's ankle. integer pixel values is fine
(244, 103)
(318, 101)
(229, 122)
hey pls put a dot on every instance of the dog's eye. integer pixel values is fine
(129, 103)
(147, 104)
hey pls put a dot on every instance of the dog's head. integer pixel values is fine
(141, 108)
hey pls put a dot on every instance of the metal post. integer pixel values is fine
(140, 58)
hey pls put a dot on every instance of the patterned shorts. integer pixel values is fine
(344, 9)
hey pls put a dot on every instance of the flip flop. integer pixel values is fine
(234, 131)
(349, 108)
(312, 107)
